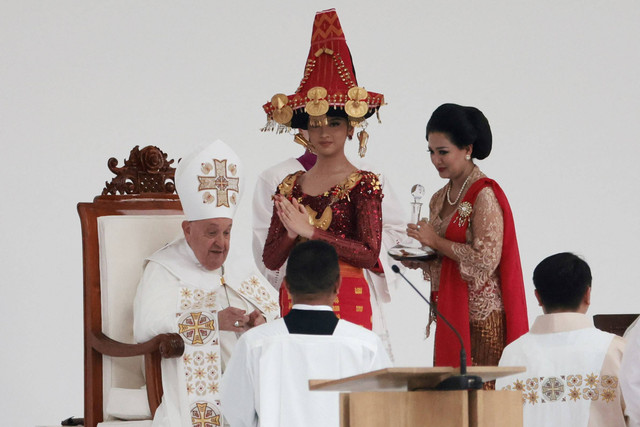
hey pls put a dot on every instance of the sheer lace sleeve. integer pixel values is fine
(479, 259)
(431, 272)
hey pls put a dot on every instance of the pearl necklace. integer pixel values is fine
(464, 184)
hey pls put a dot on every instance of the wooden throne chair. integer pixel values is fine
(137, 213)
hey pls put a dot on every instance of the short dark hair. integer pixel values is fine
(312, 268)
(562, 281)
(464, 126)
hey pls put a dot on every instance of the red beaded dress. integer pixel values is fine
(349, 216)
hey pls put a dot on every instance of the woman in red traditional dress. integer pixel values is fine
(344, 205)
(476, 280)
(333, 201)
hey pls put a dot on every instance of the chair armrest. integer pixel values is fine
(154, 350)
(168, 345)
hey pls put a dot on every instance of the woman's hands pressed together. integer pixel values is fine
(294, 217)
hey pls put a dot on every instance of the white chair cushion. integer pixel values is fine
(128, 404)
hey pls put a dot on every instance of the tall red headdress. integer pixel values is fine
(328, 87)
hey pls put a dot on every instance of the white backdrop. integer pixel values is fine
(82, 81)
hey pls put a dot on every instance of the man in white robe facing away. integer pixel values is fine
(266, 383)
(630, 375)
(188, 287)
(572, 377)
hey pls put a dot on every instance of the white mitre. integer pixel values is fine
(208, 182)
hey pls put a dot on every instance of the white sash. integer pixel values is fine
(198, 326)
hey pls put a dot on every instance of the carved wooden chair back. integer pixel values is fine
(137, 213)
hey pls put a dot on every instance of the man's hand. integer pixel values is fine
(256, 318)
(233, 319)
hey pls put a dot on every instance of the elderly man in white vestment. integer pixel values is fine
(266, 382)
(630, 375)
(188, 287)
(394, 224)
(572, 377)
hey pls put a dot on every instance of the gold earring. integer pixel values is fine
(363, 138)
(300, 139)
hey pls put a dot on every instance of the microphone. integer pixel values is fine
(455, 382)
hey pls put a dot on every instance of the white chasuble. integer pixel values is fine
(564, 384)
(176, 294)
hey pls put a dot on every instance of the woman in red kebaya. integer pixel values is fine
(476, 280)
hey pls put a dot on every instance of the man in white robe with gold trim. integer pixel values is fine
(266, 382)
(572, 377)
(189, 287)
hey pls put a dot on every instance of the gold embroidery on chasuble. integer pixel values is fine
(254, 290)
(567, 388)
(221, 182)
(197, 328)
(203, 415)
(201, 361)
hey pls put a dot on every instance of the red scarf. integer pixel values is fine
(453, 293)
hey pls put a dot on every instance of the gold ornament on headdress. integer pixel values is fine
(317, 105)
(355, 107)
(282, 113)
(323, 50)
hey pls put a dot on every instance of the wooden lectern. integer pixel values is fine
(405, 397)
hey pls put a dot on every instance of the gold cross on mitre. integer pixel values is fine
(204, 416)
(195, 326)
(220, 182)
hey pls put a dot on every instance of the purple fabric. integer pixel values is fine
(308, 159)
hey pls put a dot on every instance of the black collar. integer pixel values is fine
(311, 322)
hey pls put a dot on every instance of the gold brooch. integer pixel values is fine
(464, 212)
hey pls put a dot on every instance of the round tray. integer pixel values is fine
(403, 253)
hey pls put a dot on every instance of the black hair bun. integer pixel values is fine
(484, 139)
(465, 126)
